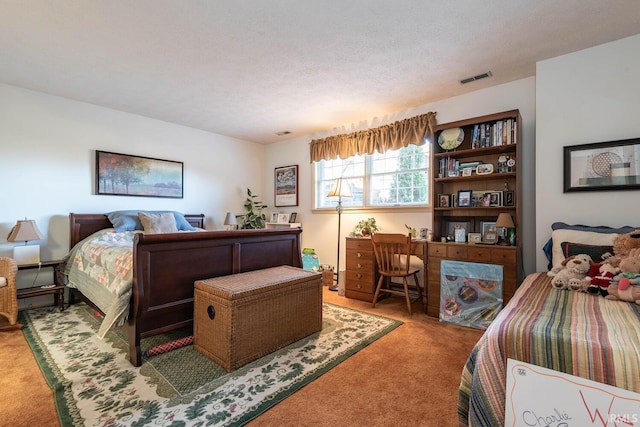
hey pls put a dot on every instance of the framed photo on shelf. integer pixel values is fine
(487, 226)
(464, 198)
(274, 216)
(613, 165)
(452, 226)
(475, 237)
(444, 200)
(490, 237)
(460, 235)
(293, 217)
(509, 198)
(286, 186)
(495, 198)
(283, 218)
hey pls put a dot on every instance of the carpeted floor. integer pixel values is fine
(408, 377)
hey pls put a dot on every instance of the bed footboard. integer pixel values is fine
(167, 265)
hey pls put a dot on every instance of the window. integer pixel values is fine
(393, 178)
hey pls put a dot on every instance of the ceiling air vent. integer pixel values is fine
(284, 132)
(474, 78)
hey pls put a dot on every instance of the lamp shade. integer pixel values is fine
(504, 220)
(230, 219)
(340, 189)
(24, 231)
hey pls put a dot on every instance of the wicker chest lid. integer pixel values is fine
(242, 285)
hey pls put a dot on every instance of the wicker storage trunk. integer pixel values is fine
(242, 317)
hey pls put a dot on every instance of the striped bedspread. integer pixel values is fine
(576, 333)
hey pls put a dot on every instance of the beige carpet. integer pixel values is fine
(409, 377)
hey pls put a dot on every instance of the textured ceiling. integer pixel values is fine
(251, 68)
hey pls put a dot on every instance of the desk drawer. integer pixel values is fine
(360, 282)
(457, 252)
(359, 264)
(503, 256)
(362, 244)
(480, 254)
(437, 250)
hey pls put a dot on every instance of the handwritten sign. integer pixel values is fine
(541, 397)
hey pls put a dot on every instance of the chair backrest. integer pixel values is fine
(392, 250)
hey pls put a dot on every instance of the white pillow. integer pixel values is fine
(576, 236)
(155, 223)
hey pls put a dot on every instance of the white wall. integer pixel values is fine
(588, 96)
(321, 228)
(47, 164)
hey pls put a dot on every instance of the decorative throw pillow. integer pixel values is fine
(127, 220)
(597, 253)
(577, 237)
(154, 223)
(548, 247)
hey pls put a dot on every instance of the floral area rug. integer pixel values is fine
(95, 385)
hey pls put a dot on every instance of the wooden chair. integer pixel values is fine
(8, 296)
(393, 252)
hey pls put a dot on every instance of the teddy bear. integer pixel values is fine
(622, 245)
(570, 274)
(629, 270)
(599, 278)
(625, 285)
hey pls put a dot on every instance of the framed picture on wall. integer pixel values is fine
(286, 186)
(613, 165)
(127, 175)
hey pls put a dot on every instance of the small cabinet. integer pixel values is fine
(361, 274)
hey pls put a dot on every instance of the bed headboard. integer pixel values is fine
(83, 225)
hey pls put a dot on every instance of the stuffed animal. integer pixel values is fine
(570, 275)
(622, 246)
(599, 278)
(625, 285)
(629, 270)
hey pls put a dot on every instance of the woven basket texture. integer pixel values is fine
(242, 317)
(8, 292)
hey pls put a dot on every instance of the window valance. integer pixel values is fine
(392, 136)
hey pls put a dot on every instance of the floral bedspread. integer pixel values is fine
(101, 267)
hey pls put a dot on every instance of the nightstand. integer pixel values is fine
(56, 288)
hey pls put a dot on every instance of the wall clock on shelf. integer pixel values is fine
(451, 139)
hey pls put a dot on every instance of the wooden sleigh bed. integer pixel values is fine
(165, 267)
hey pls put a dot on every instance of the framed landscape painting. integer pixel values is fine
(126, 175)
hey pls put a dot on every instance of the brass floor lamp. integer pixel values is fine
(340, 189)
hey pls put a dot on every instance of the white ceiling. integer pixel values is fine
(251, 68)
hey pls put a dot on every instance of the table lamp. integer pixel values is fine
(230, 221)
(504, 220)
(24, 231)
(340, 189)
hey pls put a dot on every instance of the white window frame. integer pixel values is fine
(321, 185)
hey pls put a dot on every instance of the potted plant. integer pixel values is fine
(366, 227)
(254, 218)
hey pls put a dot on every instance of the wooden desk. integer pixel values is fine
(361, 274)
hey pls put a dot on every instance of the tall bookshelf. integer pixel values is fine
(484, 170)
